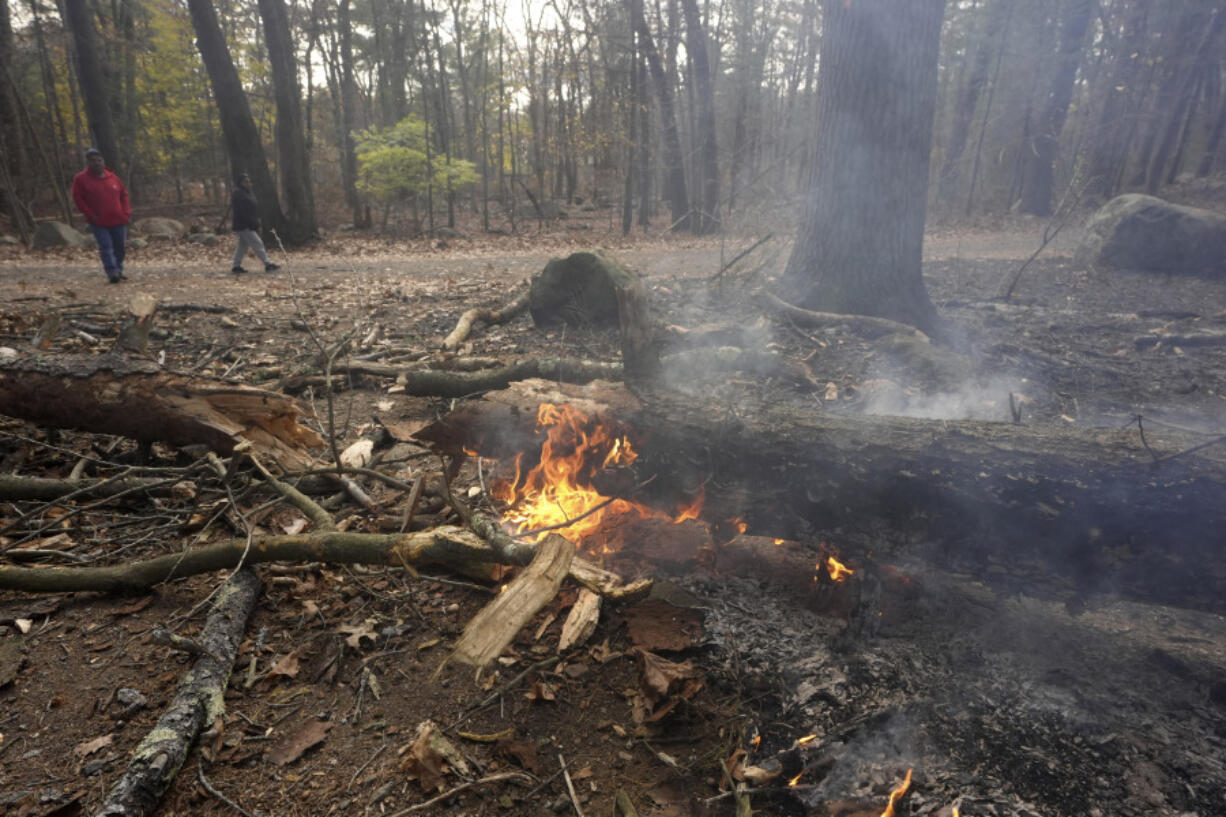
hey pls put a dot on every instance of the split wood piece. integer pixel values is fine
(113, 394)
(436, 383)
(199, 702)
(134, 334)
(490, 631)
(866, 326)
(489, 316)
(581, 621)
(1090, 506)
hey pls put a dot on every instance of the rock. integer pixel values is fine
(9, 240)
(205, 239)
(58, 234)
(447, 232)
(166, 229)
(1146, 233)
(580, 289)
(136, 243)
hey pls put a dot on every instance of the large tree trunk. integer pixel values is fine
(708, 160)
(1097, 509)
(1040, 165)
(674, 165)
(968, 96)
(238, 130)
(293, 160)
(1120, 97)
(92, 79)
(859, 246)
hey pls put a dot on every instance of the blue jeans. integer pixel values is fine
(111, 249)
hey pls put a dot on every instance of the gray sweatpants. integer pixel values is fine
(249, 240)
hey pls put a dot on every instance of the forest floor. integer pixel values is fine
(1003, 698)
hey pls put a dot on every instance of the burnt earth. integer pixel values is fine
(1005, 693)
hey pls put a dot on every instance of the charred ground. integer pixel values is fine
(1007, 693)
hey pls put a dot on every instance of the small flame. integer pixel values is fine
(896, 795)
(778, 542)
(756, 742)
(837, 570)
(806, 740)
(955, 811)
(796, 779)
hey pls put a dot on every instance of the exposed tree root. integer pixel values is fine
(489, 316)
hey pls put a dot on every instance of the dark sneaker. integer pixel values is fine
(114, 279)
(271, 267)
(237, 270)
(122, 277)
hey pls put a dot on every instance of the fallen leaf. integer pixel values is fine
(423, 762)
(23, 624)
(287, 667)
(291, 746)
(522, 752)
(90, 746)
(355, 633)
(133, 607)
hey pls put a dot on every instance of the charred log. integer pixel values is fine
(1099, 509)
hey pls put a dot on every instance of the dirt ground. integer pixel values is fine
(1004, 701)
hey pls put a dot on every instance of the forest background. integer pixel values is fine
(404, 115)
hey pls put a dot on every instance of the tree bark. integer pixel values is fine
(113, 394)
(242, 139)
(708, 218)
(199, 702)
(92, 78)
(674, 166)
(859, 247)
(1040, 165)
(293, 159)
(1101, 509)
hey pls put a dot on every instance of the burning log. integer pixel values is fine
(1103, 509)
(114, 394)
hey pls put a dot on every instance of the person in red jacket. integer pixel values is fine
(103, 200)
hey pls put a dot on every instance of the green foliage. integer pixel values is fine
(392, 164)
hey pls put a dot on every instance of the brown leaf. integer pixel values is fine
(286, 667)
(657, 674)
(423, 763)
(88, 747)
(291, 746)
(521, 751)
(133, 607)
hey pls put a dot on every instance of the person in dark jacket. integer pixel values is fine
(103, 200)
(247, 226)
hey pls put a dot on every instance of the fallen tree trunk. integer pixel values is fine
(1102, 509)
(113, 394)
(445, 383)
(198, 702)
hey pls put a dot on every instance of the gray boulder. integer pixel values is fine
(9, 240)
(1145, 233)
(206, 239)
(167, 229)
(48, 234)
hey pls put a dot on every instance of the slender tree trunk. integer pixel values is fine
(675, 188)
(1215, 139)
(293, 160)
(349, 105)
(14, 156)
(1038, 175)
(91, 77)
(858, 251)
(1116, 124)
(631, 119)
(239, 133)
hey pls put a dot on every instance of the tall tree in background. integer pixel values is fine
(859, 246)
(708, 217)
(674, 168)
(293, 161)
(1039, 165)
(92, 81)
(14, 157)
(238, 130)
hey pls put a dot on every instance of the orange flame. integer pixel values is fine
(796, 779)
(896, 795)
(806, 739)
(837, 570)
(558, 490)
